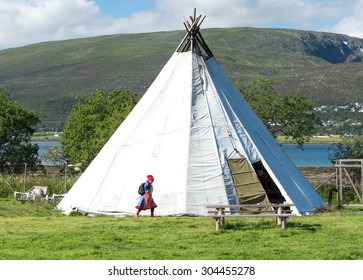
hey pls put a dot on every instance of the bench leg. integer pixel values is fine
(279, 220)
(220, 220)
(283, 222)
(219, 223)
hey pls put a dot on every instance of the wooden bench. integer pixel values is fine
(36, 192)
(279, 211)
(55, 197)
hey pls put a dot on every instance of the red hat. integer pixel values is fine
(150, 177)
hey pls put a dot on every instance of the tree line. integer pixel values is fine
(16, 129)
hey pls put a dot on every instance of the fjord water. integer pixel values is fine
(312, 155)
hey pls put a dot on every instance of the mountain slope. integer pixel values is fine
(48, 76)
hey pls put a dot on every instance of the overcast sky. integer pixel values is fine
(24, 22)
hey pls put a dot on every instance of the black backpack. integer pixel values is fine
(141, 189)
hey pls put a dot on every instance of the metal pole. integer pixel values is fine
(25, 175)
(340, 184)
(337, 184)
(65, 179)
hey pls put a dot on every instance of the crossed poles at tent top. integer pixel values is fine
(193, 40)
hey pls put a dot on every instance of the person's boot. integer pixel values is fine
(152, 214)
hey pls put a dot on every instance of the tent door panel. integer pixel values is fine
(246, 182)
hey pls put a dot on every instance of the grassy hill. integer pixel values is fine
(48, 76)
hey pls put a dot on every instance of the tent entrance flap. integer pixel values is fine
(248, 187)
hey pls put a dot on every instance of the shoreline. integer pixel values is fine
(311, 143)
(53, 139)
(314, 140)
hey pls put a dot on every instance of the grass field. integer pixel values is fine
(45, 137)
(314, 140)
(37, 232)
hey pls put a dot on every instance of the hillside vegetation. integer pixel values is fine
(48, 76)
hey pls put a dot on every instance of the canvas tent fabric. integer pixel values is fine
(189, 125)
(246, 182)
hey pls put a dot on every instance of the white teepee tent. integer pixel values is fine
(197, 136)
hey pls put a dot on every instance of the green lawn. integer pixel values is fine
(36, 232)
(45, 137)
(313, 140)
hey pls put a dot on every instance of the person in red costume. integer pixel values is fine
(146, 201)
